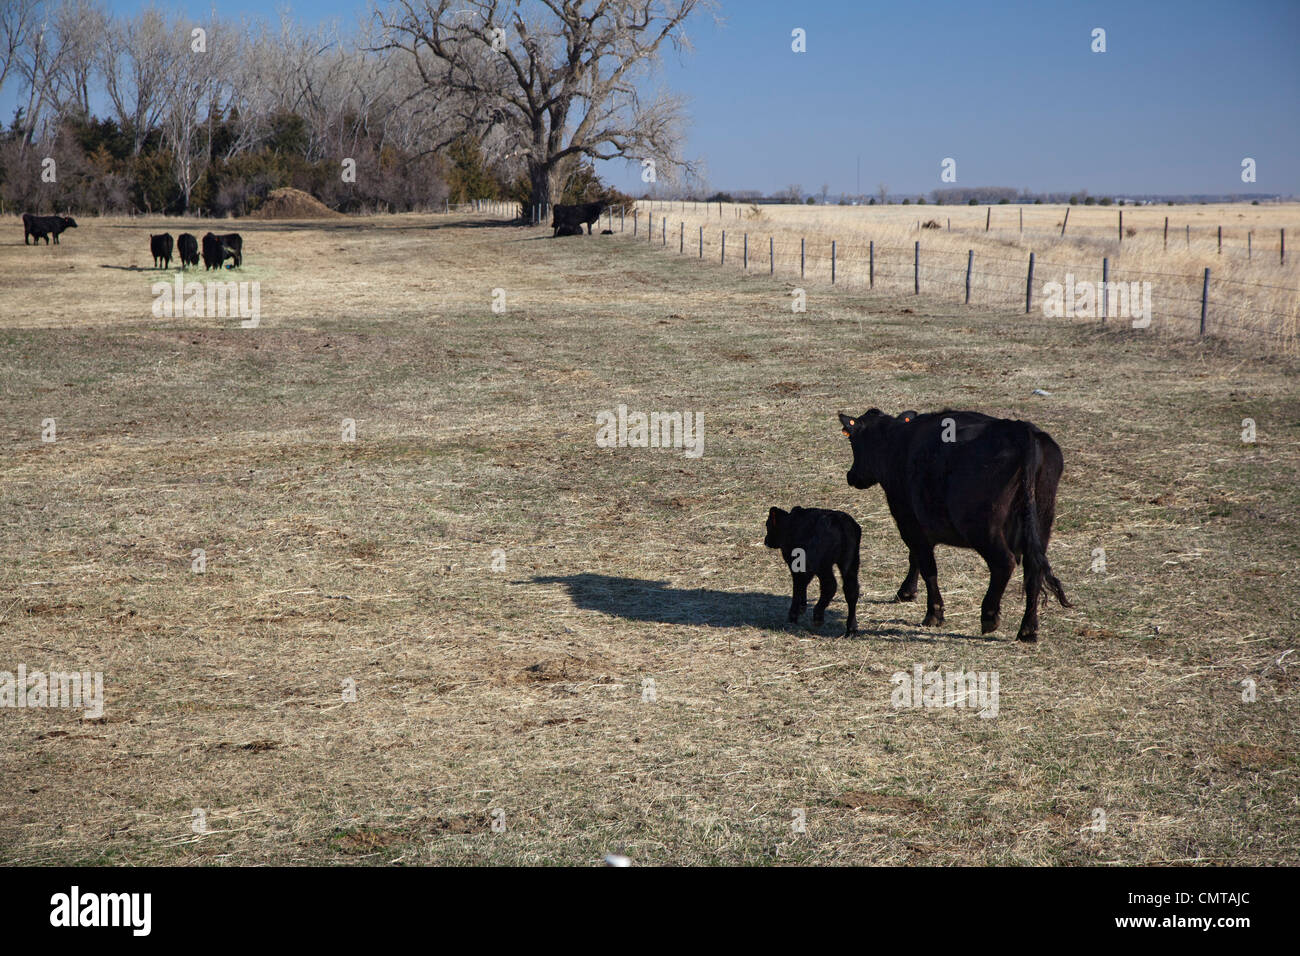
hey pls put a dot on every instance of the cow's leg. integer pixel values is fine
(907, 590)
(827, 579)
(1033, 591)
(1002, 563)
(924, 558)
(849, 572)
(799, 597)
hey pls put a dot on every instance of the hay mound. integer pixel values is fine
(291, 203)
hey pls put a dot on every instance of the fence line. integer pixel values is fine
(1111, 294)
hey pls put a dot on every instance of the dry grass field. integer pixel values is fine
(506, 716)
(1254, 294)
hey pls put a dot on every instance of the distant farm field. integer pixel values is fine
(560, 650)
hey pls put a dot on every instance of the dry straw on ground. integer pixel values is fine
(523, 690)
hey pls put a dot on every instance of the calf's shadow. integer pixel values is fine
(636, 599)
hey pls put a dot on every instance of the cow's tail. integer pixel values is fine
(1035, 551)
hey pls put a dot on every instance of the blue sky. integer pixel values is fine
(1011, 91)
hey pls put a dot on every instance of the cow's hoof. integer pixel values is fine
(932, 620)
(988, 625)
(818, 620)
(851, 631)
(1029, 637)
(902, 597)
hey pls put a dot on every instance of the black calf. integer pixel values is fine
(813, 542)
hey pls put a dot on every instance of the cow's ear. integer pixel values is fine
(775, 515)
(847, 423)
(907, 416)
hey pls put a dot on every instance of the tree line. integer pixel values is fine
(429, 101)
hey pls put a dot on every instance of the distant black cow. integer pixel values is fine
(187, 247)
(969, 481)
(42, 227)
(216, 249)
(575, 216)
(813, 542)
(161, 247)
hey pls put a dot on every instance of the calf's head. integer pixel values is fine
(775, 527)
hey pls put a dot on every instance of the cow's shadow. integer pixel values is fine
(637, 599)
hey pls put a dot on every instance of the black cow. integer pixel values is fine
(813, 542)
(42, 227)
(575, 216)
(187, 247)
(969, 481)
(216, 249)
(161, 247)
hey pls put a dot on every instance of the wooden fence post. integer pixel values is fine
(916, 269)
(1105, 300)
(1205, 298)
(970, 262)
(1066, 221)
(664, 235)
(1166, 232)
(988, 218)
(832, 262)
(1249, 242)
(744, 261)
(1121, 225)
(771, 256)
(872, 273)
(724, 247)
(1282, 249)
(681, 238)
(1029, 284)
(801, 258)
(1022, 220)
(701, 242)
(1220, 240)
(634, 222)
(1189, 237)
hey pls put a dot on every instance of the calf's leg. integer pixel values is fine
(827, 579)
(799, 598)
(849, 572)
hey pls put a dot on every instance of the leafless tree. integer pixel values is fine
(16, 21)
(553, 80)
(138, 63)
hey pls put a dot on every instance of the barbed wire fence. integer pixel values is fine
(1051, 283)
(1102, 289)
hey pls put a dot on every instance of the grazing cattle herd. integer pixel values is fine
(957, 478)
